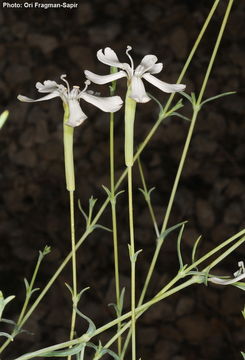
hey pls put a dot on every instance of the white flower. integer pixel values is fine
(72, 96)
(144, 70)
(238, 276)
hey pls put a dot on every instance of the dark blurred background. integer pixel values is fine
(36, 45)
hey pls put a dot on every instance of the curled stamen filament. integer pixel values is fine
(129, 48)
(87, 83)
(63, 77)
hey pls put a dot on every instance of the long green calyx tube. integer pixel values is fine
(68, 151)
(130, 107)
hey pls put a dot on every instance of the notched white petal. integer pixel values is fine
(138, 90)
(148, 61)
(46, 97)
(168, 88)
(76, 115)
(109, 57)
(47, 86)
(155, 69)
(107, 104)
(103, 79)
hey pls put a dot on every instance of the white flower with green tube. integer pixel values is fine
(136, 90)
(73, 116)
(71, 98)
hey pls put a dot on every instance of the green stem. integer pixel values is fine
(147, 198)
(114, 224)
(70, 185)
(114, 214)
(29, 290)
(132, 260)
(74, 269)
(130, 108)
(68, 133)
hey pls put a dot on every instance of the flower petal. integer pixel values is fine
(146, 64)
(109, 57)
(103, 79)
(47, 86)
(76, 116)
(148, 61)
(168, 88)
(46, 97)
(155, 69)
(138, 90)
(107, 104)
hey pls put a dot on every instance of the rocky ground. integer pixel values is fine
(198, 323)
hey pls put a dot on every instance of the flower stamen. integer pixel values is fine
(67, 84)
(87, 83)
(129, 48)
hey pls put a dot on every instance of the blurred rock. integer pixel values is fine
(205, 214)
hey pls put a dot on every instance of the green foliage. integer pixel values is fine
(4, 302)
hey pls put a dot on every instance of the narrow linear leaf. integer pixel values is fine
(188, 97)
(194, 250)
(107, 190)
(98, 226)
(7, 335)
(82, 211)
(157, 102)
(217, 97)
(176, 107)
(7, 321)
(91, 328)
(169, 230)
(181, 116)
(179, 247)
(61, 353)
(27, 286)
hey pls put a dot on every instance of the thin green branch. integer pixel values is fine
(146, 194)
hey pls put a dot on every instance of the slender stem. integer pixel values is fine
(74, 266)
(68, 133)
(29, 290)
(70, 185)
(132, 260)
(130, 108)
(114, 224)
(147, 198)
(113, 212)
